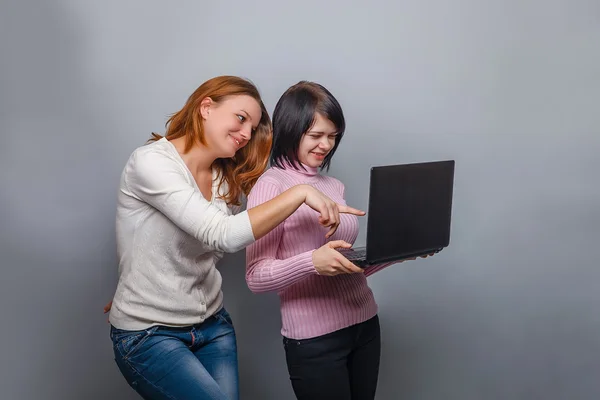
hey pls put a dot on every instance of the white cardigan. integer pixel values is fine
(169, 238)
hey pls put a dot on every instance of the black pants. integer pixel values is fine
(342, 365)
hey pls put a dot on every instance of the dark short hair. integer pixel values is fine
(295, 114)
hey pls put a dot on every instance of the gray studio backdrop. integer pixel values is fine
(509, 89)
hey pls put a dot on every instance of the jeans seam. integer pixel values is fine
(222, 318)
(231, 331)
(149, 333)
(127, 362)
(138, 373)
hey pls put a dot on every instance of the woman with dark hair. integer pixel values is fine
(172, 338)
(330, 326)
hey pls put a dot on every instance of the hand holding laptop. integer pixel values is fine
(328, 261)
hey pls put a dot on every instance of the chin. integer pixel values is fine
(227, 154)
(230, 152)
(316, 163)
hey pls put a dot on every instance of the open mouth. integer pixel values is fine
(236, 141)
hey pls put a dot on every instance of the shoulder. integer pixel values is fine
(272, 177)
(269, 185)
(154, 165)
(155, 157)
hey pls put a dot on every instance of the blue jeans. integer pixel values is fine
(195, 362)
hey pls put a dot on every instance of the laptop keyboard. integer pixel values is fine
(354, 254)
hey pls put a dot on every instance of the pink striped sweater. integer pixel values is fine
(311, 304)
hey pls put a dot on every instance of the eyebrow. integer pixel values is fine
(323, 132)
(246, 112)
(249, 117)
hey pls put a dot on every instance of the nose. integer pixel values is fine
(246, 132)
(325, 144)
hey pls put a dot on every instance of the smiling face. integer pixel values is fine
(308, 125)
(229, 124)
(317, 142)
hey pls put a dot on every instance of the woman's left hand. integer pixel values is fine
(108, 307)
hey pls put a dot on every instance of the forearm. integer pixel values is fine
(268, 275)
(268, 215)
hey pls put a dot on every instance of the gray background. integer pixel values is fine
(509, 89)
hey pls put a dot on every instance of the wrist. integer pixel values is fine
(301, 192)
(314, 264)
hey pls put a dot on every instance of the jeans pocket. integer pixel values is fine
(292, 344)
(127, 342)
(223, 316)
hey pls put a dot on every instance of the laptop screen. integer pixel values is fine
(409, 209)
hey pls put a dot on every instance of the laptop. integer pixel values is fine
(409, 212)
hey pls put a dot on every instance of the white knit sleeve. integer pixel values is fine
(160, 181)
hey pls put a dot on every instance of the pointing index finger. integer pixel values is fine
(350, 210)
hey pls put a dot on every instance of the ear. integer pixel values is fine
(205, 107)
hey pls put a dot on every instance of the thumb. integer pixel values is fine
(339, 243)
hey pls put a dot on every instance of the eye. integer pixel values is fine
(241, 118)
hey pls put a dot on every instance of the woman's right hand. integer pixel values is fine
(328, 261)
(329, 209)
